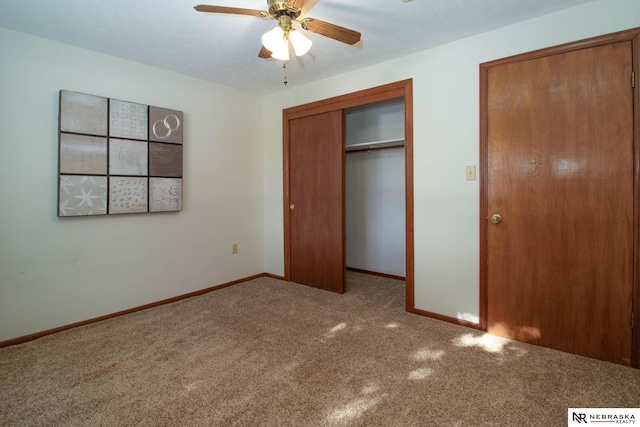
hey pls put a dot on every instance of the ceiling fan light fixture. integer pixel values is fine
(277, 42)
(301, 43)
(274, 39)
(281, 54)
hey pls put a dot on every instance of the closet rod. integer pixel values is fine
(377, 145)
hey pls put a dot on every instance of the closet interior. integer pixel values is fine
(375, 188)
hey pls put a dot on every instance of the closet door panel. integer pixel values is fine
(316, 158)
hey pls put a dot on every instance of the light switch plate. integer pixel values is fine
(471, 173)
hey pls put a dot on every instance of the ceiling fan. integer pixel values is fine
(275, 42)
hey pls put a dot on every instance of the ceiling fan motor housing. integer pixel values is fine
(279, 8)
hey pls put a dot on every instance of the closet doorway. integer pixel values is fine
(374, 189)
(312, 226)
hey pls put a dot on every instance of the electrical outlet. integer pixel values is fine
(471, 173)
(234, 248)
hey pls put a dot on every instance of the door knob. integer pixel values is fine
(496, 218)
(291, 206)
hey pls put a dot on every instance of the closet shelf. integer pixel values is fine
(375, 145)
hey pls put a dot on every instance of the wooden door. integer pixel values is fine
(559, 267)
(316, 188)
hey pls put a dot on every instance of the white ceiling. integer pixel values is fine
(223, 49)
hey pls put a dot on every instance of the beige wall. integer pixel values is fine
(446, 120)
(55, 271)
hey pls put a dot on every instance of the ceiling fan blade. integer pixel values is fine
(333, 31)
(296, 4)
(264, 53)
(231, 10)
(307, 7)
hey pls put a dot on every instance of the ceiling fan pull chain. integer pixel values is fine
(284, 65)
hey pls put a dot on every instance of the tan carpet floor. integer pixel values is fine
(271, 353)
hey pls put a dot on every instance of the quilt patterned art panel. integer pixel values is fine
(117, 157)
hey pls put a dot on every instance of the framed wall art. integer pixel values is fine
(117, 157)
